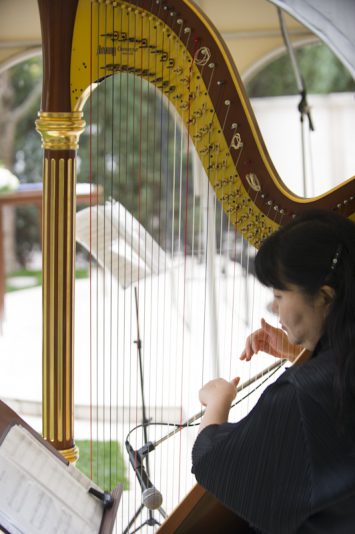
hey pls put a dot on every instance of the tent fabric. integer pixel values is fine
(332, 21)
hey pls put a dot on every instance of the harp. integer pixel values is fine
(171, 51)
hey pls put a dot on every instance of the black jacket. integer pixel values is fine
(289, 466)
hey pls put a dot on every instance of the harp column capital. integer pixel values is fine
(60, 131)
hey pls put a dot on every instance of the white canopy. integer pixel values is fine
(331, 20)
(250, 27)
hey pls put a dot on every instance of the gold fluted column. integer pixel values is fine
(60, 135)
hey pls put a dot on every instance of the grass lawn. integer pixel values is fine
(107, 468)
(26, 278)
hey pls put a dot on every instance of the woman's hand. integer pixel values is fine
(218, 391)
(217, 395)
(272, 340)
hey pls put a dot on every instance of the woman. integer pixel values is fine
(289, 466)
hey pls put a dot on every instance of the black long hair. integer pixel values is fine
(318, 248)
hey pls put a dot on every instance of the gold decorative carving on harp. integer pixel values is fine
(174, 48)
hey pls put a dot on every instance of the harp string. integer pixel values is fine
(164, 466)
(159, 333)
(91, 437)
(110, 314)
(106, 376)
(96, 307)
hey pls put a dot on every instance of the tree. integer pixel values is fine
(20, 89)
(322, 72)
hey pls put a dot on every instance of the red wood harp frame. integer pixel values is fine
(196, 73)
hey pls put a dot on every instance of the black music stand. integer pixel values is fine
(8, 419)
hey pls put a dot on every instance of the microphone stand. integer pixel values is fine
(140, 457)
(303, 106)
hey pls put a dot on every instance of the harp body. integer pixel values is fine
(175, 48)
(201, 512)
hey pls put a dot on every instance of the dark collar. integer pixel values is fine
(322, 345)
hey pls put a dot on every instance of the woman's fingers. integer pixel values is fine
(246, 354)
(218, 390)
(235, 381)
(266, 339)
(252, 345)
(268, 328)
(243, 355)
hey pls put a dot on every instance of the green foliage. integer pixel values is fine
(26, 232)
(103, 461)
(81, 273)
(321, 70)
(23, 76)
(26, 150)
(28, 153)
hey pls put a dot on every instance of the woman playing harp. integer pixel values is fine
(173, 47)
(289, 465)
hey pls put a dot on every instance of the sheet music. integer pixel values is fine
(39, 493)
(119, 242)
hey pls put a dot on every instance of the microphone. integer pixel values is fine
(151, 497)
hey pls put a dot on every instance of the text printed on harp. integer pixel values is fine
(103, 50)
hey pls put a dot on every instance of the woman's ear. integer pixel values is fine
(326, 294)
